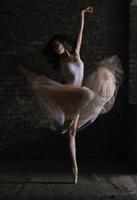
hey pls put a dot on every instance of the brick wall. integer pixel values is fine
(31, 23)
(132, 137)
(133, 56)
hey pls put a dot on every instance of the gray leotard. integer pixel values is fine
(72, 72)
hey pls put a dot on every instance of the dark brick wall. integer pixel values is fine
(132, 115)
(31, 23)
(133, 56)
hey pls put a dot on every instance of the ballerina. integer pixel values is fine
(73, 104)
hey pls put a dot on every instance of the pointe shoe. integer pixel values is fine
(75, 172)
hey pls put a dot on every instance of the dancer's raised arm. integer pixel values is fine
(80, 33)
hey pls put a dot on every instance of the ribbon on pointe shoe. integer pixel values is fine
(75, 175)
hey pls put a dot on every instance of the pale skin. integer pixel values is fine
(65, 55)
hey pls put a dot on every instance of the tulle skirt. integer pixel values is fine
(62, 102)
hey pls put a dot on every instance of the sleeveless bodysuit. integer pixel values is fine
(72, 72)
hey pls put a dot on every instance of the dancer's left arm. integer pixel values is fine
(80, 33)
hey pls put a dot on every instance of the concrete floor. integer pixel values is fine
(52, 179)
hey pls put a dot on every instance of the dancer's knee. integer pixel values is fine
(87, 93)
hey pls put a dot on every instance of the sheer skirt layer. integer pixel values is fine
(64, 102)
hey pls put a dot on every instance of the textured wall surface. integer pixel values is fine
(31, 23)
(133, 55)
(132, 138)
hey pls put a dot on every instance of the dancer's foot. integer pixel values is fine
(75, 173)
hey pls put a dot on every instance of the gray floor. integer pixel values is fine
(52, 179)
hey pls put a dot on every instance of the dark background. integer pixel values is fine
(31, 23)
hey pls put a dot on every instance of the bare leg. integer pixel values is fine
(72, 147)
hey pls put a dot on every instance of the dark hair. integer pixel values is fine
(49, 52)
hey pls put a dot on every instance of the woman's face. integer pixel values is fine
(58, 47)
